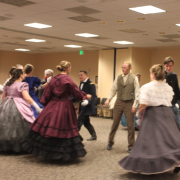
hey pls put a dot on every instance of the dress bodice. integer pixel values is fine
(33, 81)
(15, 90)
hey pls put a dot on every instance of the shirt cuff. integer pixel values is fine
(135, 104)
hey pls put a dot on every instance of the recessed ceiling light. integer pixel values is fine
(147, 9)
(162, 33)
(35, 40)
(144, 34)
(120, 21)
(87, 35)
(123, 42)
(72, 46)
(177, 24)
(141, 18)
(20, 49)
(38, 25)
(102, 23)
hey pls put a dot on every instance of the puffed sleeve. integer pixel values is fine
(144, 95)
(37, 81)
(24, 86)
(5, 90)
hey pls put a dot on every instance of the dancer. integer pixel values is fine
(157, 148)
(15, 113)
(172, 80)
(54, 134)
(126, 86)
(123, 120)
(33, 81)
(88, 108)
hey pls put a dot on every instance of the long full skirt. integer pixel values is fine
(54, 134)
(13, 127)
(157, 148)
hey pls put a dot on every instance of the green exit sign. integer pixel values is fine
(81, 52)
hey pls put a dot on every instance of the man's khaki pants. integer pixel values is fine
(121, 107)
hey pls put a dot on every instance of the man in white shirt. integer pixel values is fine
(126, 86)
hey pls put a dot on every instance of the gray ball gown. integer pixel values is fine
(15, 118)
(157, 148)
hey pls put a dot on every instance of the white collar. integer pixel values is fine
(123, 75)
(85, 79)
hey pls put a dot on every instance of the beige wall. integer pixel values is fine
(9, 59)
(99, 63)
(105, 72)
(121, 56)
(88, 62)
(141, 63)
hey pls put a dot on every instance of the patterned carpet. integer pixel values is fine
(98, 164)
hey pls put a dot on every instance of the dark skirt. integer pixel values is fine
(13, 127)
(157, 148)
(54, 148)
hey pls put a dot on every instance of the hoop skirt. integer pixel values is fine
(15, 118)
(54, 134)
(157, 148)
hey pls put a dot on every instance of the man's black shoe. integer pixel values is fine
(92, 138)
(136, 129)
(109, 146)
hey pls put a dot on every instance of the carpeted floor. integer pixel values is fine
(98, 164)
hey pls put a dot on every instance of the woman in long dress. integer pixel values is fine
(15, 113)
(54, 134)
(33, 82)
(157, 148)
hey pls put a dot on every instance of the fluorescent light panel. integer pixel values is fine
(35, 40)
(177, 24)
(72, 46)
(87, 35)
(123, 42)
(37, 25)
(20, 49)
(147, 9)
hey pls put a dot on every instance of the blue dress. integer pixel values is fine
(33, 81)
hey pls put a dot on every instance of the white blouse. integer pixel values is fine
(156, 93)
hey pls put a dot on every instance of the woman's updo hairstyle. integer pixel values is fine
(158, 71)
(28, 68)
(63, 66)
(15, 75)
(11, 70)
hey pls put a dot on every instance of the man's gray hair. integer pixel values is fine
(19, 66)
(48, 71)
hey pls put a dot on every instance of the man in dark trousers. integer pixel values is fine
(172, 80)
(87, 108)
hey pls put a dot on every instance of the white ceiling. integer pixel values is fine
(53, 12)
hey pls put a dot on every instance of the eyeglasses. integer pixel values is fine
(124, 67)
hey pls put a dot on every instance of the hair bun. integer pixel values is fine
(161, 66)
(59, 67)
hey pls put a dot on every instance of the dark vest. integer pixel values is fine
(125, 91)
